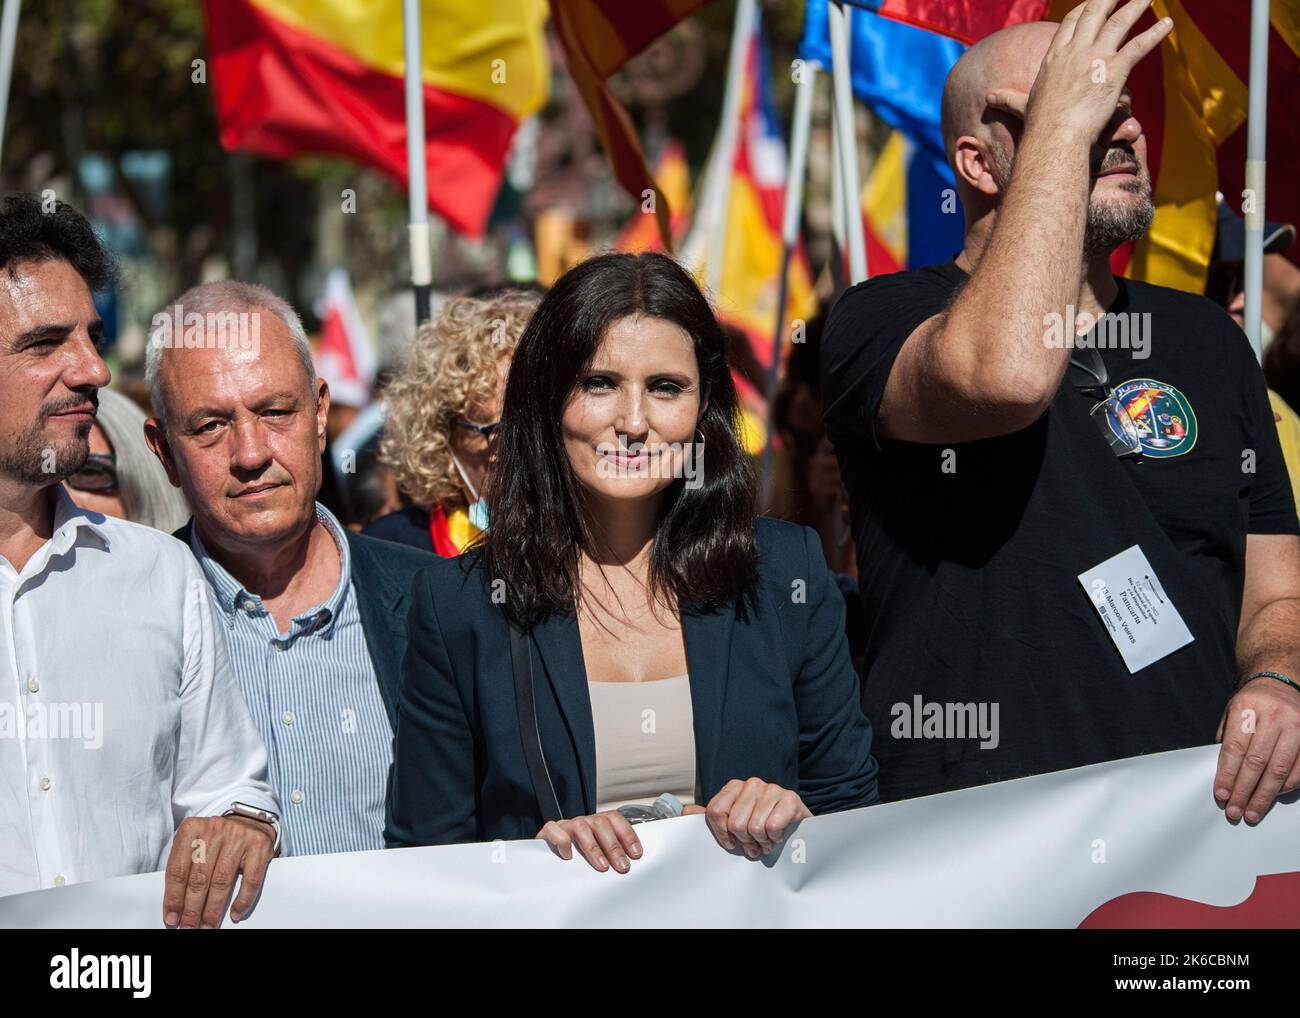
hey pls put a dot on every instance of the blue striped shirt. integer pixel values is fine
(315, 701)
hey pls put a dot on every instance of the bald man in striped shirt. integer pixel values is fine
(313, 614)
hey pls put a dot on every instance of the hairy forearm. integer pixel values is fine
(1270, 639)
(984, 368)
(993, 336)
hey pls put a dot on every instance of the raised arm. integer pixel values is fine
(983, 368)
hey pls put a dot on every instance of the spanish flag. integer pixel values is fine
(325, 76)
(599, 37)
(752, 248)
(750, 283)
(1191, 98)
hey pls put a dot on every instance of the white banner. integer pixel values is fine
(1133, 842)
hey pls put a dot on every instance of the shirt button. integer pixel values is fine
(287, 717)
(33, 686)
(45, 784)
(295, 797)
(60, 880)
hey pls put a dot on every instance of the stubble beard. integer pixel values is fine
(1113, 223)
(32, 459)
(1109, 224)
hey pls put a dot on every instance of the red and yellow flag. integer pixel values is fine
(749, 286)
(1196, 138)
(599, 37)
(674, 177)
(884, 208)
(325, 76)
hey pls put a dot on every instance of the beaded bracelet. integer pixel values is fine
(1273, 675)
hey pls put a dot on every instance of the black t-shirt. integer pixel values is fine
(969, 554)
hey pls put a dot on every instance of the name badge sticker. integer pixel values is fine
(1138, 615)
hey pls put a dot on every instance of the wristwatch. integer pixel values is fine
(243, 809)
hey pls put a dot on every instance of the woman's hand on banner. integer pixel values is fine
(752, 815)
(604, 839)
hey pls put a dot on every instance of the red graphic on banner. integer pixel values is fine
(1274, 904)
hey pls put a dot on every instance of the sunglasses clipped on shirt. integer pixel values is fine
(97, 474)
(1112, 416)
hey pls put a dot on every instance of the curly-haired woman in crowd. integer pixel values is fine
(442, 413)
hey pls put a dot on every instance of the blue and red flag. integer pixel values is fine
(1191, 98)
(898, 70)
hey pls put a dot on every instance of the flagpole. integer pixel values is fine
(838, 218)
(846, 139)
(1257, 113)
(800, 129)
(8, 37)
(717, 200)
(418, 230)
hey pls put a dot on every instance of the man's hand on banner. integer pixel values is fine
(1260, 756)
(208, 853)
(752, 815)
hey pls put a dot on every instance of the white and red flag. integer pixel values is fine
(344, 356)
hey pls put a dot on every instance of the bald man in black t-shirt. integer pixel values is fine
(1075, 534)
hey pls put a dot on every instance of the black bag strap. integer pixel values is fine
(521, 658)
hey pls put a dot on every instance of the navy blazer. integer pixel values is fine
(382, 573)
(773, 692)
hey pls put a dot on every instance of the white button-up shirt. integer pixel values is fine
(119, 714)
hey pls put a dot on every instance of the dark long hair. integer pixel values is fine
(703, 550)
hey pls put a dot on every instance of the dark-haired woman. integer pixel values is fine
(667, 640)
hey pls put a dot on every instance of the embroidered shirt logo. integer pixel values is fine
(1166, 423)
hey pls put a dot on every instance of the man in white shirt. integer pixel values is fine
(121, 728)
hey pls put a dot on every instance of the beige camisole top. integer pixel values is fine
(645, 741)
